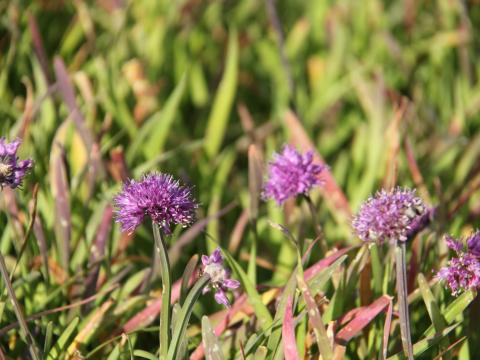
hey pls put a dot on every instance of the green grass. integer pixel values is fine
(387, 92)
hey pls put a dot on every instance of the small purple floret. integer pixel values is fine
(390, 216)
(12, 171)
(462, 272)
(290, 174)
(473, 243)
(158, 196)
(220, 280)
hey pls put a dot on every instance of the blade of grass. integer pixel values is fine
(261, 311)
(288, 333)
(222, 104)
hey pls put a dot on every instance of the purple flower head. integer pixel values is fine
(12, 171)
(473, 243)
(158, 196)
(462, 271)
(389, 216)
(289, 174)
(220, 280)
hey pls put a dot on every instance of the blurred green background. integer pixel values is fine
(104, 90)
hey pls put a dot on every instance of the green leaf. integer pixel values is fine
(61, 345)
(218, 119)
(153, 134)
(145, 355)
(424, 344)
(261, 311)
(456, 308)
(274, 343)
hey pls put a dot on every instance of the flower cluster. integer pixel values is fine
(158, 196)
(289, 174)
(390, 216)
(219, 276)
(12, 171)
(462, 271)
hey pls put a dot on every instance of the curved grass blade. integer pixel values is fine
(184, 317)
(222, 104)
(152, 136)
(288, 333)
(424, 344)
(261, 311)
(61, 344)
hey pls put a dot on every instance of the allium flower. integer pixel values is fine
(390, 216)
(289, 174)
(158, 196)
(220, 280)
(12, 171)
(463, 271)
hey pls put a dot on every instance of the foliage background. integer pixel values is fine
(107, 89)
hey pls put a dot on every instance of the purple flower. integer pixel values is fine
(463, 271)
(12, 171)
(473, 243)
(390, 216)
(158, 196)
(289, 174)
(220, 280)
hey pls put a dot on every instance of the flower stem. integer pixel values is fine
(18, 311)
(402, 293)
(318, 228)
(161, 250)
(184, 316)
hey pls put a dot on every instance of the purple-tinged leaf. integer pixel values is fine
(361, 318)
(288, 333)
(97, 251)
(386, 328)
(324, 263)
(60, 192)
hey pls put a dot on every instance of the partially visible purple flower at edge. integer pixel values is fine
(220, 280)
(390, 216)
(462, 272)
(12, 171)
(290, 174)
(158, 196)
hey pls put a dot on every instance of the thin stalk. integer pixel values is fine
(18, 311)
(165, 315)
(316, 224)
(252, 263)
(402, 293)
(184, 316)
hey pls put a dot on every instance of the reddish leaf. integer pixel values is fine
(324, 263)
(288, 333)
(386, 328)
(361, 318)
(97, 251)
(148, 315)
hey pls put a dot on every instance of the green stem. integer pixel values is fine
(161, 250)
(402, 293)
(316, 224)
(18, 311)
(184, 316)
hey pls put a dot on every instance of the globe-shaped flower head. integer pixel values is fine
(462, 271)
(12, 171)
(390, 216)
(219, 276)
(290, 174)
(158, 196)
